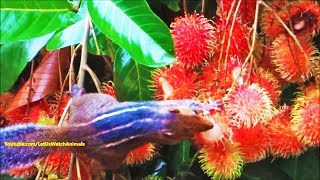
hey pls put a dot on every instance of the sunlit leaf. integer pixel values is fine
(133, 26)
(22, 20)
(104, 46)
(45, 79)
(132, 80)
(69, 36)
(15, 56)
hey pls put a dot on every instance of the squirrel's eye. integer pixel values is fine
(195, 111)
(173, 110)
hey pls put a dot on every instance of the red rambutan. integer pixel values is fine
(253, 142)
(193, 39)
(248, 105)
(303, 17)
(174, 82)
(56, 163)
(290, 61)
(246, 9)
(140, 154)
(238, 42)
(59, 103)
(306, 119)
(221, 130)
(267, 81)
(222, 160)
(108, 88)
(22, 115)
(282, 140)
(25, 172)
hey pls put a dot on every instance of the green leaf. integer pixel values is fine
(180, 157)
(23, 20)
(305, 166)
(72, 34)
(103, 44)
(134, 27)
(15, 56)
(263, 170)
(172, 4)
(131, 79)
(69, 36)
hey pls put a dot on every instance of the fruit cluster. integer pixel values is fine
(229, 58)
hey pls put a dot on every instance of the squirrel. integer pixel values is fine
(108, 129)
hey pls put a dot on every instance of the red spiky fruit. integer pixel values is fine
(140, 154)
(57, 163)
(267, 81)
(302, 16)
(193, 39)
(24, 114)
(221, 130)
(253, 142)
(283, 141)
(59, 103)
(248, 105)
(306, 118)
(246, 10)
(24, 172)
(292, 64)
(231, 45)
(222, 160)
(175, 82)
(108, 88)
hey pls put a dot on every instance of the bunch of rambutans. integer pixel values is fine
(227, 59)
(217, 60)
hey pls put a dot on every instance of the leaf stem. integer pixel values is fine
(72, 161)
(185, 6)
(84, 53)
(93, 77)
(203, 5)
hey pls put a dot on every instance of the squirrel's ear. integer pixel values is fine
(77, 91)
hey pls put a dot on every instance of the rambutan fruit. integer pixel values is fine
(290, 61)
(311, 91)
(214, 82)
(246, 9)
(108, 88)
(56, 163)
(209, 82)
(221, 130)
(46, 120)
(24, 172)
(306, 119)
(238, 41)
(282, 140)
(25, 115)
(253, 142)
(222, 160)
(303, 17)
(248, 105)
(267, 81)
(193, 39)
(174, 82)
(59, 102)
(140, 154)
